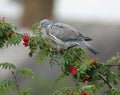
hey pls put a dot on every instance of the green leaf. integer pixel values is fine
(83, 68)
(111, 60)
(34, 27)
(118, 69)
(104, 69)
(67, 91)
(7, 65)
(15, 39)
(117, 79)
(26, 91)
(33, 44)
(1, 33)
(6, 85)
(55, 59)
(26, 72)
(113, 91)
(41, 57)
(111, 77)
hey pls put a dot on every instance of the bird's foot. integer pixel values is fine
(54, 47)
(62, 51)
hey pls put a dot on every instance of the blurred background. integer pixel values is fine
(98, 19)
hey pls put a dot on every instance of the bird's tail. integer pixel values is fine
(92, 50)
(89, 47)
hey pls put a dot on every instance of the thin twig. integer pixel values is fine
(113, 65)
(102, 77)
(16, 83)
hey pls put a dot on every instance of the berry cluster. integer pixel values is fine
(26, 40)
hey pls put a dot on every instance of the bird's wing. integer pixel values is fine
(66, 33)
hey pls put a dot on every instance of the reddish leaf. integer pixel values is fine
(10, 35)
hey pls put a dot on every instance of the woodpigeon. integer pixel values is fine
(64, 35)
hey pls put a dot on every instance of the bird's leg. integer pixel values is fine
(62, 51)
(55, 48)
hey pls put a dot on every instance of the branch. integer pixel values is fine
(102, 77)
(113, 65)
(15, 79)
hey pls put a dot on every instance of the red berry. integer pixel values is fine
(85, 93)
(25, 38)
(93, 60)
(88, 79)
(25, 44)
(10, 35)
(73, 70)
(84, 80)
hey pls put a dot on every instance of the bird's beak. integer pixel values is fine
(40, 27)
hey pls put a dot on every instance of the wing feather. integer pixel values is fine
(66, 33)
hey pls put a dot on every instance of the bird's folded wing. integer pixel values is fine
(66, 33)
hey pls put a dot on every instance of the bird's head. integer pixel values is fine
(45, 23)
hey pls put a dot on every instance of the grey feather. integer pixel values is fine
(65, 32)
(83, 43)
